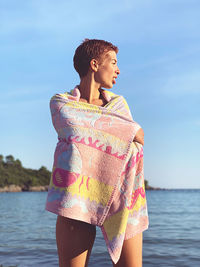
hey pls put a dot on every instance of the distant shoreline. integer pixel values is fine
(17, 188)
(44, 188)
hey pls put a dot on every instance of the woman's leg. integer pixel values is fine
(74, 242)
(131, 255)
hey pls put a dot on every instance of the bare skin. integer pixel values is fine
(74, 238)
(139, 137)
(131, 255)
(74, 242)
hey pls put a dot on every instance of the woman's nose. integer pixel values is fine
(117, 71)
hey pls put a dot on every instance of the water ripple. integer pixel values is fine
(27, 231)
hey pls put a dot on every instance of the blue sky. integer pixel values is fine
(159, 60)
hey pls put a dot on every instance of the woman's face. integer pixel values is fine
(108, 70)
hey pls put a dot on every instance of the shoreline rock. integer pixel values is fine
(17, 188)
(10, 188)
(40, 188)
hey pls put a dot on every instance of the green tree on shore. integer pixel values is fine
(12, 172)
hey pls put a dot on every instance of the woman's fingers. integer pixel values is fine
(139, 137)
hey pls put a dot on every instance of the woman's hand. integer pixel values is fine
(139, 137)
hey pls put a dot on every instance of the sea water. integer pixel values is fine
(27, 231)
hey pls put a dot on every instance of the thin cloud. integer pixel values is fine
(135, 21)
(48, 16)
(167, 60)
(183, 84)
(25, 91)
(197, 122)
(160, 21)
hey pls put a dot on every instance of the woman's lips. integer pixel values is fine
(114, 80)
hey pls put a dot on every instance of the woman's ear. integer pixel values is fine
(94, 65)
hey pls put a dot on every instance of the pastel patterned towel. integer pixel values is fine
(97, 174)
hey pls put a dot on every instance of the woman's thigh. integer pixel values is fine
(74, 242)
(131, 255)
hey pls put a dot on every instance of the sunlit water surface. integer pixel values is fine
(27, 231)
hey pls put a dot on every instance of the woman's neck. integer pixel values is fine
(89, 89)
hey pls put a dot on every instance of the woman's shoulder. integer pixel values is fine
(58, 100)
(68, 95)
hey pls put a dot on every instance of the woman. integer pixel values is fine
(97, 177)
